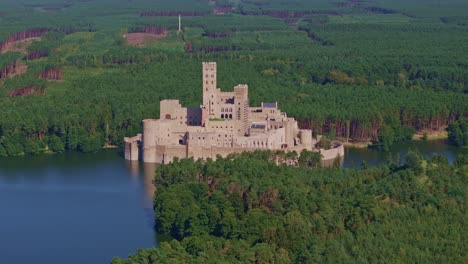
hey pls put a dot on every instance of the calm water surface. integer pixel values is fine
(355, 156)
(73, 208)
(88, 208)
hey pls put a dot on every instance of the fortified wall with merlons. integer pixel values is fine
(222, 125)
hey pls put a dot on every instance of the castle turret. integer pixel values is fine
(305, 136)
(150, 139)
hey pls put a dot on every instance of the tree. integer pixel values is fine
(414, 162)
(56, 144)
(309, 159)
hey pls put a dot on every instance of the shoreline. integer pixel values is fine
(432, 135)
(359, 145)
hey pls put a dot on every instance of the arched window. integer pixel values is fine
(222, 110)
(222, 115)
(230, 116)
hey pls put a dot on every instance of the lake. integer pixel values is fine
(73, 208)
(355, 156)
(88, 208)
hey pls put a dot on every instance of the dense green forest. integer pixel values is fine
(247, 209)
(359, 71)
(458, 133)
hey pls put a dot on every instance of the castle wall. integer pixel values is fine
(132, 147)
(173, 110)
(166, 154)
(220, 125)
(331, 154)
(276, 138)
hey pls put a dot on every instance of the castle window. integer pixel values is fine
(222, 115)
(212, 82)
(206, 82)
(230, 117)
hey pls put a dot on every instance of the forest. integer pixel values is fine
(352, 70)
(246, 209)
(373, 72)
(458, 133)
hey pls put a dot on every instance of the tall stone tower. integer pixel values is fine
(241, 98)
(210, 91)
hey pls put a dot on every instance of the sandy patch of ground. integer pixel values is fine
(351, 144)
(19, 46)
(141, 39)
(20, 69)
(431, 134)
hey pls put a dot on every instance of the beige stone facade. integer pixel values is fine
(223, 124)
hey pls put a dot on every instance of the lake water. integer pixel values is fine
(88, 208)
(355, 156)
(73, 208)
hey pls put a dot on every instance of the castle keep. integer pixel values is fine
(223, 124)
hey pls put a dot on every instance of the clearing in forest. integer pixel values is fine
(20, 45)
(142, 39)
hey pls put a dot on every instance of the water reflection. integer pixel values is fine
(149, 170)
(133, 168)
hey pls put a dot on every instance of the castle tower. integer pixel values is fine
(241, 97)
(210, 91)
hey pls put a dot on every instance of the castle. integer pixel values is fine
(223, 124)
